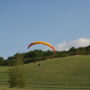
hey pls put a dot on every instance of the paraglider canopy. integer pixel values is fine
(44, 43)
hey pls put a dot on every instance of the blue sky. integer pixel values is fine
(54, 21)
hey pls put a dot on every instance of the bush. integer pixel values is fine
(16, 75)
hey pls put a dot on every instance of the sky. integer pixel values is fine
(63, 23)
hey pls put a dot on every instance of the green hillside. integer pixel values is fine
(60, 69)
(73, 69)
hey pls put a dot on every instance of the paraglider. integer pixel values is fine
(44, 43)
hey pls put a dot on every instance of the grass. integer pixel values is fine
(3, 73)
(74, 69)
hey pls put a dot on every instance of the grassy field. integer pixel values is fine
(74, 70)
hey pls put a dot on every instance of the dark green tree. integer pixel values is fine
(1, 60)
(72, 51)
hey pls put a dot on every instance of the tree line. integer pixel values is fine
(39, 55)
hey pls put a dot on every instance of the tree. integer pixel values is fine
(88, 49)
(72, 51)
(1, 60)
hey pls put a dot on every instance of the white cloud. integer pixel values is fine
(82, 42)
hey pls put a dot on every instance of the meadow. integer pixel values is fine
(65, 72)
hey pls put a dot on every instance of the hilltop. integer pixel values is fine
(39, 55)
